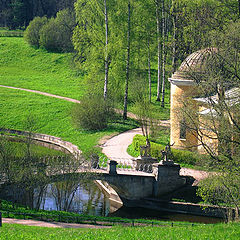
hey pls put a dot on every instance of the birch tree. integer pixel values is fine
(159, 48)
(127, 62)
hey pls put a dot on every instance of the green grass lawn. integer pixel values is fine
(26, 67)
(52, 116)
(217, 231)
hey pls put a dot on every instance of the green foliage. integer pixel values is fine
(53, 34)
(49, 35)
(32, 33)
(222, 189)
(56, 34)
(93, 113)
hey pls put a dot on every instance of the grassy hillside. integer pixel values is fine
(210, 232)
(51, 116)
(26, 67)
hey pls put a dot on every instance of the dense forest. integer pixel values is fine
(18, 13)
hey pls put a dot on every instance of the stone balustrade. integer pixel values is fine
(71, 148)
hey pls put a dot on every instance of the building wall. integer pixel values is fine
(178, 95)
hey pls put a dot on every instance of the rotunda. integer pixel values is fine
(184, 87)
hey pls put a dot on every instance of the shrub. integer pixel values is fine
(93, 113)
(49, 35)
(66, 22)
(56, 35)
(31, 34)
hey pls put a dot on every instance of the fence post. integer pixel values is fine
(132, 223)
(172, 224)
(0, 219)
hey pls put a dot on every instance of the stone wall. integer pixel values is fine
(71, 148)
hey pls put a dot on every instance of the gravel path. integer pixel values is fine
(116, 147)
(50, 224)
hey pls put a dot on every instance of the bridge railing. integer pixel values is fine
(126, 164)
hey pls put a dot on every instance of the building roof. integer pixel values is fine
(231, 97)
(192, 64)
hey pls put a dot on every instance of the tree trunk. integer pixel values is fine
(159, 50)
(106, 51)
(239, 7)
(127, 64)
(163, 54)
(149, 72)
(174, 43)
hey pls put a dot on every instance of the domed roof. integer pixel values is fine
(192, 64)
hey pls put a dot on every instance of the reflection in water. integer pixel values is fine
(87, 198)
(80, 197)
(137, 212)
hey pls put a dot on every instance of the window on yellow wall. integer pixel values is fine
(183, 130)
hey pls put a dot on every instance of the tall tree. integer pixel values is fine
(106, 50)
(127, 62)
(159, 48)
(91, 40)
(163, 53)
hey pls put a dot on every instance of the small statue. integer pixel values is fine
(145, 150)
(167, 153)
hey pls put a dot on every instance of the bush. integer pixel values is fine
(93, 113)
(49, 36)
(66, 24)
(32, 33)
(179, 156)
(54, 34)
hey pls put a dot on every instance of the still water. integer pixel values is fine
(80, 197)
(87, 198)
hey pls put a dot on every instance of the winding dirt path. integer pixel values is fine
(116, 147)
(129, 114)
(42, 93)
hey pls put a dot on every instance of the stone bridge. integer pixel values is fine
(134, 185)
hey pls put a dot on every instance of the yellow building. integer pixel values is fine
(184, 100)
